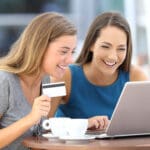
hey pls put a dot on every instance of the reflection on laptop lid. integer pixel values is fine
(131, 114)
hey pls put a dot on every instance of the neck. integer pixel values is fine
(30, 81)
(30, 86)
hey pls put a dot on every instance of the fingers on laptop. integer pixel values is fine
(98, 122)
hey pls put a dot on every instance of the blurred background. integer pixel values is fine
(16, 14)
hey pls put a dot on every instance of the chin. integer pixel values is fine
(59, 75)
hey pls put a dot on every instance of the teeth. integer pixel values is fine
(63, 67)
(110, 63)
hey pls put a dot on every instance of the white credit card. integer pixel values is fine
(54, 89)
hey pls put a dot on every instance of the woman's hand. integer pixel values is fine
(41, 107)
(98, 122)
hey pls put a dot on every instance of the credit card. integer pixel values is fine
(54, 89)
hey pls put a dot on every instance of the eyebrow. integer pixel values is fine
(121, 45)
(106, 43)
(65, 47)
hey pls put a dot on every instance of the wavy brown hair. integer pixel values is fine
(100, 22)
(26, 54)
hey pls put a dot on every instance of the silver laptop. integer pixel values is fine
(131, 116)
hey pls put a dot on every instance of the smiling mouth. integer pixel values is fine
(62, 67)
(110, 64)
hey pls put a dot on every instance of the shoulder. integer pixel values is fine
(138, 74)
(5, 76)
(65, 77)
(4, 73)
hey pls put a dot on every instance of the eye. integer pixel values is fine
(104, 46)
(122, 49)
(62, 52)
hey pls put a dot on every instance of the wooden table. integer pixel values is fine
(136, 143)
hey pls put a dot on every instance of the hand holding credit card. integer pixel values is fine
(54, 89)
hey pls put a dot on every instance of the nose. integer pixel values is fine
(112, 55)
(69, 58)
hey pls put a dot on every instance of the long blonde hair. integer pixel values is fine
(26, 54)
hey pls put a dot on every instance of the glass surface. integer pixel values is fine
(8, 35)
(33, 6)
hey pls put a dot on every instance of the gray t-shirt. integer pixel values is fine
(13, 106)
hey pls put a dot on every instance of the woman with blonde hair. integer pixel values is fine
(44, 48)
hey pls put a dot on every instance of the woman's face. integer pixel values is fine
(59, 55)
(109, 50)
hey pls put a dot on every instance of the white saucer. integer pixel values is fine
(49, 136)
(77, 138)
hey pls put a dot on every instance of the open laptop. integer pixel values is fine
(131, 116)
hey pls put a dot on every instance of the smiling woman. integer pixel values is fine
(109, 52)
(45, 47)
(95, 82)
(59, 52)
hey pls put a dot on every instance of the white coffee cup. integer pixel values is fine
(56, 125)
(76, 127)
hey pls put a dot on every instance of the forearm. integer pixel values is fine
(15, 130)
